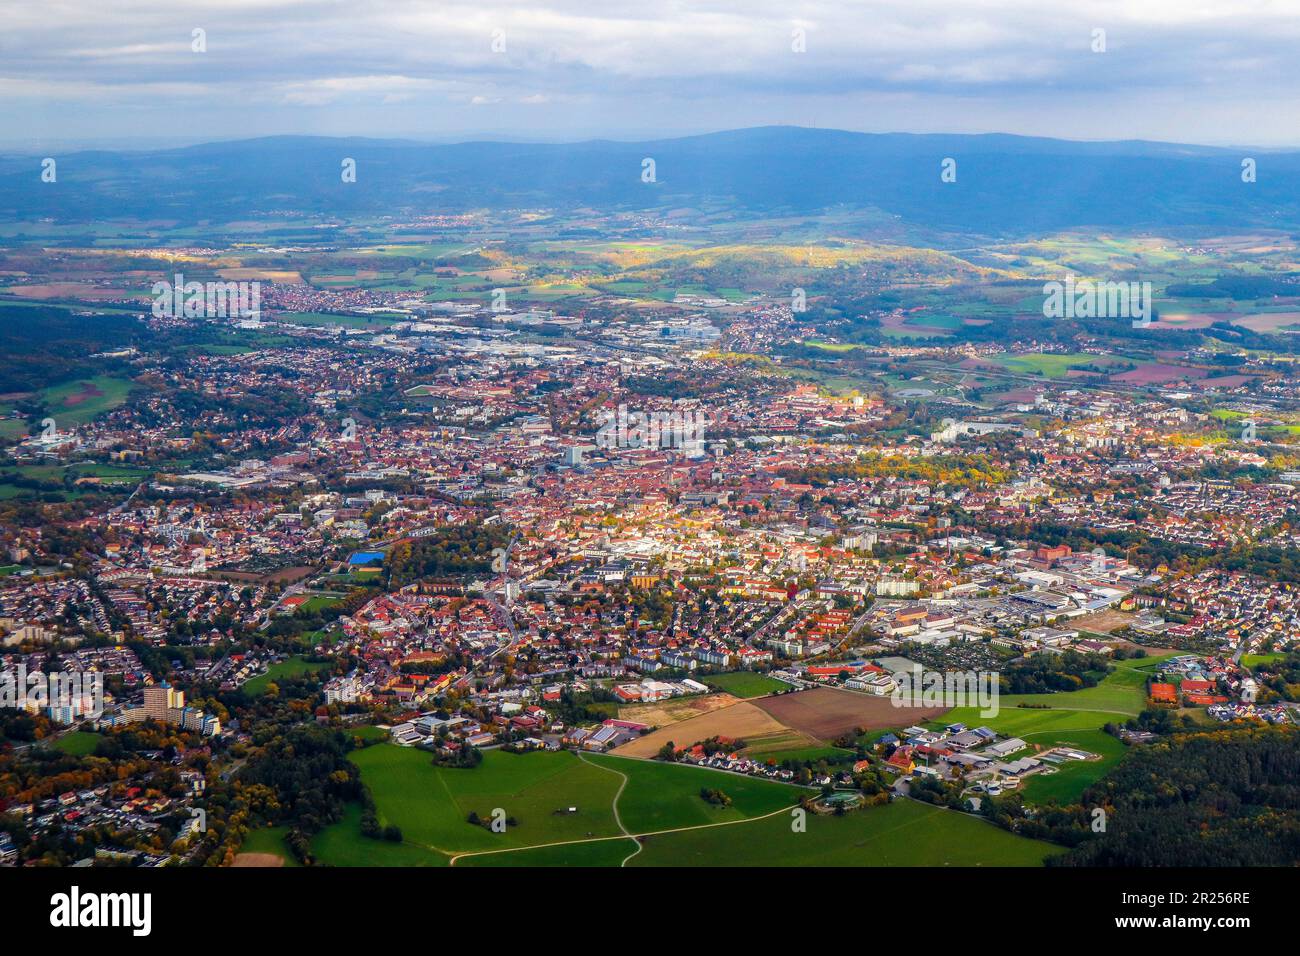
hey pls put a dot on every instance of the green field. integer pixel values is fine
(661, 796)
(765, 752)
(608, 852)
(1122, 691)
(902, 833)
(293, 667)
(745, 684)
(341, 844)
(659, 802)
(79, 401)
(269, 840)
(431, 804)
(317, 602)
(1049, 365)
(79, 743)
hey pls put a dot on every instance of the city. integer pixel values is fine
(727, 494)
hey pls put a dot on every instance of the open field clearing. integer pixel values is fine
(901, 833)
(75, 403)
(1159, 374)
(1268, 321)
(242, 274)
(67, 290)
(660, 796)
(826, 713)
(293, 667)
(341, 844)
(1050, 365)
(740, 721)
(431, 806)
(1123, 691)
(746, 684)
(767, 751)
(611, 852)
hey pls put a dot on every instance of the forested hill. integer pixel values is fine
(1002, 183)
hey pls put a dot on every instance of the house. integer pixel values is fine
(901, 760)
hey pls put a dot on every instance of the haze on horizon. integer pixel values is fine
(79, 72)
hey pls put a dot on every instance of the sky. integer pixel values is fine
(135, 72)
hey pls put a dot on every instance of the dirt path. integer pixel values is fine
(634, 836)
(617, 819)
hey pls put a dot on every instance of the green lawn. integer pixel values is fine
(79, 743)
(1073, 777)
(610, 852)
(797, 753)
(317, 602)
(902, 833)
(1047, 364)
(1121, 692)
(341, 844)
(660, 796)
(430, 805)
(292, 667)
(745, 684)
(1052, 728)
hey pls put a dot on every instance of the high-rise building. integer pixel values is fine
(161, 698)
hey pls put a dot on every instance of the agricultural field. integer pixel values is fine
(658, 803)
(432, 804)
(901, 833)
(826, 713)
(1051, 366)
(766, 751)
(739, 721)
(77, 402)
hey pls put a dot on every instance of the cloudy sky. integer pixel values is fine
(126, 72)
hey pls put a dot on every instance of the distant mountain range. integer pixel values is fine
(1004, 184)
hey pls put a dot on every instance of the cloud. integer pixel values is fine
(662, 64)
